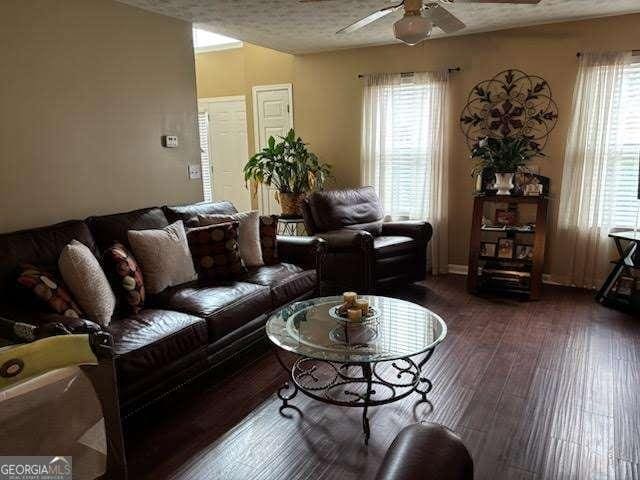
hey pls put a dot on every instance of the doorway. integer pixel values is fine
(228, 148)
(272, 116)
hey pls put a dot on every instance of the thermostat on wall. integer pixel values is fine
(170, 141)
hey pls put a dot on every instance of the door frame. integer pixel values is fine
(256, 121)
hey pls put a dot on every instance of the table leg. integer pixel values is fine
(424, 380)
(626, 255)
(367, 374)
(286, 386)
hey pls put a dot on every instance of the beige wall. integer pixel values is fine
(87, 89)
(328, 93)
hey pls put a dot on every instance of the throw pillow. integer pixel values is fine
(248, 234)
(49, 290)
(216, 252)
(163, 255)
(125, 275)
(83, 274)
(268, 231)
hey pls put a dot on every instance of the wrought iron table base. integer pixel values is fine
(306, 375)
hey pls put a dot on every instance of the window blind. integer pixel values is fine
(205, 164)
(621, 193)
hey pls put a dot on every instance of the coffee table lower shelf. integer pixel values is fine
(371, 384)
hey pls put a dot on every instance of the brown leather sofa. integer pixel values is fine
(364, 252)
(426, 452)
(183, 331)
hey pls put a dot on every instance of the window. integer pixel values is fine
(402, 125)
(205, 164)
(206, 41)
(621, 180)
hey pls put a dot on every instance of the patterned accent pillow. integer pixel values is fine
(49, 290)
(215, 251)
(268, 231)
(126, 277)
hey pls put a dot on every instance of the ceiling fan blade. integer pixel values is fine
(524, 2)
(443, 18)
(363, 22)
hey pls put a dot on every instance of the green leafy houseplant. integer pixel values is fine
(503, 155)
(290, 168)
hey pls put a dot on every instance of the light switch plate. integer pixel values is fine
(194, 172)
(170, 141)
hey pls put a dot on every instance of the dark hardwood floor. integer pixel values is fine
(544, 390)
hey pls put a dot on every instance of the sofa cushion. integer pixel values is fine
(153, 339)
(386, 246)
(108, 229)
(125, 276)
(225, 306)
(268, 239)
(39, 246)
(215, 251)
(335, 209)
(286, 281)
(186, 212)
(48, 290)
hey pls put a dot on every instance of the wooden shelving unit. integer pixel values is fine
(475, 281)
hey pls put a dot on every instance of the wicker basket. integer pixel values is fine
(291, 204)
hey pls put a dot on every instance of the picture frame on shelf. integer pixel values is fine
(488, 249)
(530, 184)
(524, 252)
(505, 247)
(506, 217)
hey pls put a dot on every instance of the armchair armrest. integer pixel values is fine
(348, 240)
(304, 251)
(417, 229)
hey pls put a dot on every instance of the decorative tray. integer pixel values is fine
(334, 312)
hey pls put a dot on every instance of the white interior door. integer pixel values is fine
(228, 149)
(273, 116)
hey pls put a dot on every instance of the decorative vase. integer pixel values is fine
(504, 183)
(291, 204)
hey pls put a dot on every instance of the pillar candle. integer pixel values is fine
(350, 298)
(363, 305)
(354, 314)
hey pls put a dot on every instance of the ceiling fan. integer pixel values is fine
(420, 18)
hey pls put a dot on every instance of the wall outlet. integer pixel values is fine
(170, 141)
(194, 172)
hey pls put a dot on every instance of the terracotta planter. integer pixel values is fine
(291, 204)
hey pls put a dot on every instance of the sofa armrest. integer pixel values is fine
(299, 250)
(53, 324)
(426, 451)
(418, 230)
(348, 241)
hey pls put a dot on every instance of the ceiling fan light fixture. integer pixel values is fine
(412, 28)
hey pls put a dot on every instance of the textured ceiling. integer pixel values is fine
(294, 27)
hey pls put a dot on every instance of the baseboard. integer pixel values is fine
(464, 269)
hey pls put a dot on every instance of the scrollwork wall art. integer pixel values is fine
(511, 104)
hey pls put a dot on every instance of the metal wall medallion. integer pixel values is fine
(511, 104)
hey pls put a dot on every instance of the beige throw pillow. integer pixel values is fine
(248, 234)
(85, 278)
(163, 255)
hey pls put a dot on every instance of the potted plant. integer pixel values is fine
(504, 157)
(290, 168)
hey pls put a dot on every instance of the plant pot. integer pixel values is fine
(291, 204)
(504, 183)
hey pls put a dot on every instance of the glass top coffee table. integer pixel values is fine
(356, 364)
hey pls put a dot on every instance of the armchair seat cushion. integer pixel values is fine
(153, 340)
(391, 246)
(286, 281)
(225, 306)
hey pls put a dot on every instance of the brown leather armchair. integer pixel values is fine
(363, 252)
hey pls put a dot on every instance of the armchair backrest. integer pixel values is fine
(357, 209)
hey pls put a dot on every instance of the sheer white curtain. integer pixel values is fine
(403, 150)
(588, 182)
